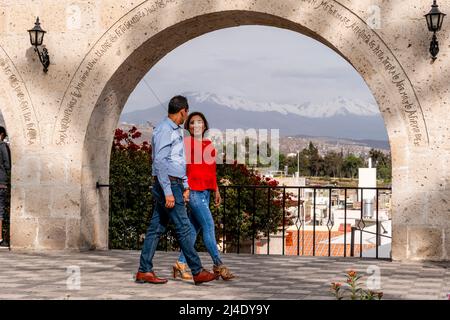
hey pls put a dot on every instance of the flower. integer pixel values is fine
(335, 285)
(354, 289)
(273, 183)
(351, 273)
(136, 135)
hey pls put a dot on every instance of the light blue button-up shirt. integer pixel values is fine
(169, 158)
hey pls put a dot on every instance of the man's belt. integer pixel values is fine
(170, 178)
(175, 179)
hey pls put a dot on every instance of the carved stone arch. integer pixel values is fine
(139, 39)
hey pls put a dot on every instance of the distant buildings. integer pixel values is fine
(335, 215)
(290, 146)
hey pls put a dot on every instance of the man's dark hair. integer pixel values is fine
(177, 104)
(3, 130)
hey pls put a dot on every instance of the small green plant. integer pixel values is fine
(353, 286)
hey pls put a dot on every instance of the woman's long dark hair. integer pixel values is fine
(201, 115)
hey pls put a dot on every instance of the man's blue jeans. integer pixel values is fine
(201, 219)
(158, 224)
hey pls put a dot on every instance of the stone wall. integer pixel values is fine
(62, 123)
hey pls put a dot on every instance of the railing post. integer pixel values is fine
(109, 216)
(363, 225)
(298, 219)
(223, 218)
(314, 224)
(268, 219)
(328, 223)
(345, 222)
(239, 219)
(284, 217)
(377, 229)
(352, 242)
(125, 205)
(253, 220)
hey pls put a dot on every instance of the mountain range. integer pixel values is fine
(339, 117)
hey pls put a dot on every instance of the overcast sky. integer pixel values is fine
(260, 63)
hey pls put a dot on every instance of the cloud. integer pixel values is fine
(332, 73)
(260, 63)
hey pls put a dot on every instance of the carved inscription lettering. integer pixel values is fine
(74, 94)
(26, 110)
(388, 64)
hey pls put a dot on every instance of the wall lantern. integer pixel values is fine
(36, 38)
(434, 21)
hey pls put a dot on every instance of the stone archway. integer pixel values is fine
(365, 57)
(92, 99)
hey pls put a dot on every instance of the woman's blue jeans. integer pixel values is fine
(202, 220)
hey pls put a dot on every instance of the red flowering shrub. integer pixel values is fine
(124, 140)
(130, 195)
(258, 218)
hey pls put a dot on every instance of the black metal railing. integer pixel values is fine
(267, 220)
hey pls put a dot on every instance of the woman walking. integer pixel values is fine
(202, 180)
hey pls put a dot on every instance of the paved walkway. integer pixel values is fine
(110, 275)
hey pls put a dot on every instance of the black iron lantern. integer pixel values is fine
(36, 39)
(434, 21)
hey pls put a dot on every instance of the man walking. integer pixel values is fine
(170, 191)
(5, 168)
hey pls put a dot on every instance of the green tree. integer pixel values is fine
(378, 157)
(351, 165)
(383, 163)
(305, 163)
(315, 160)
(290, 162)
(333, 163)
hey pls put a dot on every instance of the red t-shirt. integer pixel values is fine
(200, 164)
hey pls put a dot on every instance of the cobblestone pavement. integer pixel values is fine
(110, 275)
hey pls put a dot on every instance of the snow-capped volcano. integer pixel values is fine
(339, 117)
(326, 109)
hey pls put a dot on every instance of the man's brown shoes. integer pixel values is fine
(149, 277)
(204, 276)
